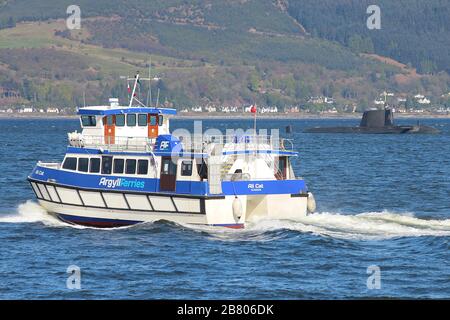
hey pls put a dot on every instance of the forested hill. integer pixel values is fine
(274, 52)
(415, 32)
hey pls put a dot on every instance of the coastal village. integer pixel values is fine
(418, 104)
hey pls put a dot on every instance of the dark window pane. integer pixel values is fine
(83, 164)
(110, 120)
(131, 166)
(160, 120)
(70, 164)
(95, 165)
(106, 165)
(88, 121)
(142, 120)
(169, 167)
(131, 120)
(119, 165)
(153, 120)
(120, 120)
(202, 170)
(142, 166)
(186, 168)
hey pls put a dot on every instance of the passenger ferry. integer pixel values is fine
(125, 167)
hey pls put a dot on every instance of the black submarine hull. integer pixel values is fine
(383, 130)
(377, 122)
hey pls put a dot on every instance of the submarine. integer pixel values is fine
(377, 122)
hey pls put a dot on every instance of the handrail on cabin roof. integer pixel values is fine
(102, 111)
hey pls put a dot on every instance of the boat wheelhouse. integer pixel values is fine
(125, 167)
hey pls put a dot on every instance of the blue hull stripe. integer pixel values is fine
(99, 222)
(111, 223)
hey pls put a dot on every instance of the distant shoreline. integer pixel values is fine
(249, 116)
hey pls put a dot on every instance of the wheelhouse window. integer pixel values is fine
(130, 167)
(131, 120)
(120, 120)
(88, 121)
(110, 120)
(106, 164)
(119, 165)
(153, 120)
(160, 120)
(94, 166)
(142, 120)
(186, 168)
(70, 163)
(142, 167)
(83, 164)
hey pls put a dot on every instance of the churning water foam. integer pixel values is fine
(31, 212)
(368, 225)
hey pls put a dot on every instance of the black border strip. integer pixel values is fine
(299, 195)
(104, 201)
(39, 196)
(122, 209)
(57, 194)
(150, 202)
(126, 201)
(202, 206)
(107, 207)
(81, 198)
(174, 204)
(43, 196)
(130, 192)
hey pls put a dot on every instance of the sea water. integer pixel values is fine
(383, 204)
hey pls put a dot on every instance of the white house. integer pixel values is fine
(26, 110)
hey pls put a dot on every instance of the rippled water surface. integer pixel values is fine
(382, 200)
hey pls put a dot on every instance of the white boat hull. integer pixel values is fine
(98, 208)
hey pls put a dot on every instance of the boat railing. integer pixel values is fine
(236, 177)
(117, 143)
(50, 165)
(206, 143)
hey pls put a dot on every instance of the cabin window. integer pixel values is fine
(94, 165)
(202, 170)
(131, 120)
(88, 121)
(83, 164)
(186, 168)
(110, 120)
(70, 163)
(106, 164)
(281, 169)
(142, 167)
(119, 165)
(130, 166)
(160, 120)
(168, 167)
(120, 120)
(142, 120)
(153, 120)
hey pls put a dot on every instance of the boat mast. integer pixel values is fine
(136, 79)
(149, 94)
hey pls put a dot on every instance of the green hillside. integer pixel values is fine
(206, 51)
(412, 31)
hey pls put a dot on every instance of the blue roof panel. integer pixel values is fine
(124, 110)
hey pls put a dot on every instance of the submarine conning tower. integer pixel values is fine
(377, 119)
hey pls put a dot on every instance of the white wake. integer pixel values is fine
(31, 212)
(364, 226)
